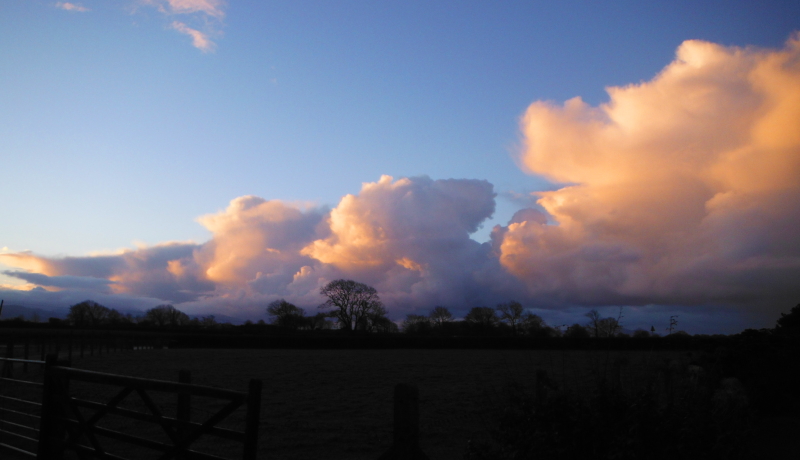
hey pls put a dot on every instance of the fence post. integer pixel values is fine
(406, 425)
(184, 408)
(252, 420)
(50, 431)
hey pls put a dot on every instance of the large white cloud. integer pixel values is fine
(410, 238)
(683, 189)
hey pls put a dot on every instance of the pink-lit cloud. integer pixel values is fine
(683, 189)
(74, 7)
(199, 19)
(200, 40)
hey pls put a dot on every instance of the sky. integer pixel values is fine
(218, 155)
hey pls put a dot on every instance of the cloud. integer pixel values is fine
(678, 192)
(67, 282)
(167, 271)
(199, 39)
(200, 19)
(76, 7)
(213, 8)
(683, 189)
(408, 237)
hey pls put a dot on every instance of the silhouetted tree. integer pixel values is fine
(535, 326)
(287, 315)
(594, 322)
(319, 322)
(482, 317)
(511, 313)
(641, 334)
(116, 318)
(88, 314)
(376, 321)
(166, 315)
(789, 323)
(353, 302)
(416, 324)
(576, 331)
(602, 327)
(440, 315)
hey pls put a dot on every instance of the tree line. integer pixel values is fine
(356, 307)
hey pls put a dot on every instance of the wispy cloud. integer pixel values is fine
(213, 8)
(200, 19)
(200, 40)
(76, 7)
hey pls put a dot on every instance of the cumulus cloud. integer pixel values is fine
(679, 191)
(408, 237)
(76, 7)
(683, 189)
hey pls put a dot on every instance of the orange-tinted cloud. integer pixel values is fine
(682, 189)
(205, 17)
(200, 40)
(410, 238)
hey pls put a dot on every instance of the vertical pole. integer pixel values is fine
(252, 419)
(50, 432)
(184, 408)
(42, 351)
(82, 346)
(406, 425)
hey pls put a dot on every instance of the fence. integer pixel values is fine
(72, 345)
(68, 421)
(71, 422)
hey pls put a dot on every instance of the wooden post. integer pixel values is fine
(252, 420)
(82, 346)
(183, 415)
(41, 349)
(406, 425)
(50, 431)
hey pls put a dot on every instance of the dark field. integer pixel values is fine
(337, 404)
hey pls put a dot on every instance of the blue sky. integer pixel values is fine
(116, 132)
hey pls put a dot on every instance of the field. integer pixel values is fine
(337, 404)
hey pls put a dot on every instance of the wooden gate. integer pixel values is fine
(88, 414)
(20, 407)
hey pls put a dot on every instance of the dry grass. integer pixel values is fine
(336, 404)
